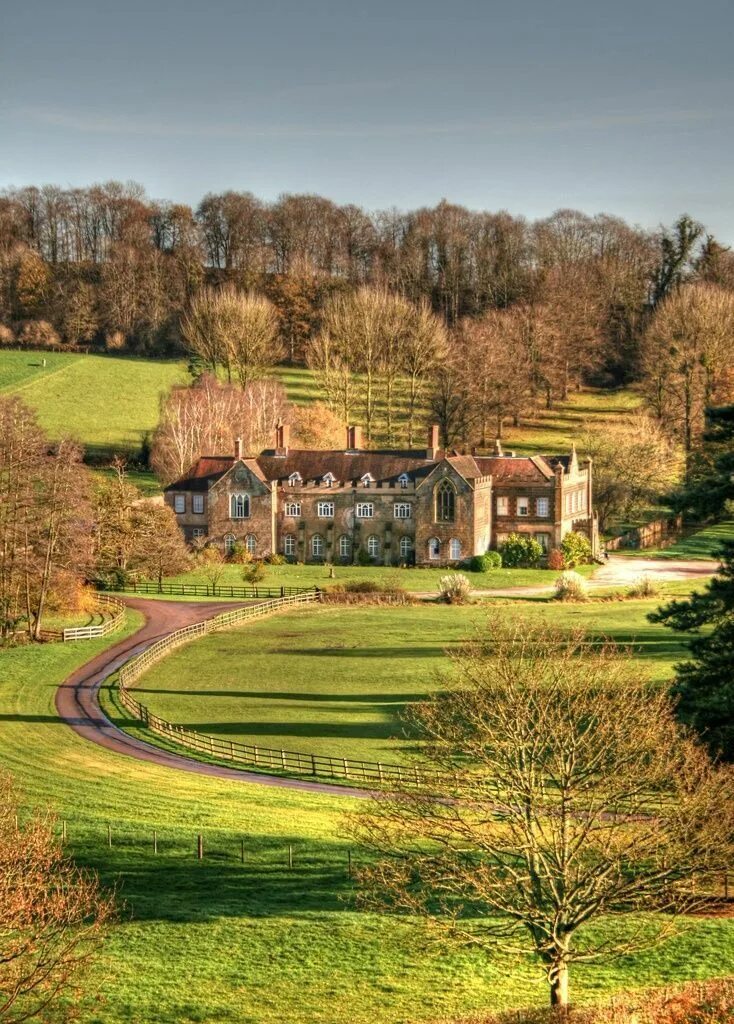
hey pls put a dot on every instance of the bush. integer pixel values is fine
(454, 588)
(644, 586)
(6, 335)
(363, 557)
(570, 586)
(254, 573)
(366, 592)
(275, 559)
(521, 550)
(576, 550)
(38, 334)
(483, 563)
(556, 561)
(239, 554)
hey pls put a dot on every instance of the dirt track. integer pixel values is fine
(78, 705)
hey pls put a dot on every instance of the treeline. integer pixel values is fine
(108, 266)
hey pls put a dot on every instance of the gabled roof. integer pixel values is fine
(508, 468)
(204, 472)
(313, 464)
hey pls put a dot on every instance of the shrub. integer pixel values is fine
(275, 559)
(483, 563)
(520, 550)
(556, 561)
(38, 334)
(366, 592)
(454, 588)
(6, 335)
(254, 574)
(239, 554)
(644, 586)
(570, 586)
(364, 557)
(576, 550)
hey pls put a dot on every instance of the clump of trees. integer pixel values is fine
(45, 521)
(52, 916)
(561, 806)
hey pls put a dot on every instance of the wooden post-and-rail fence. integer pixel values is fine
(292, 762)
(117, 616)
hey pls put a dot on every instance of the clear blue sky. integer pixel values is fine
(527, 105)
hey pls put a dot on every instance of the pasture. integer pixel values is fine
(258, 942)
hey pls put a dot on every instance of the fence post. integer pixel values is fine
(726, 885)
(282, 591)
(63, 831)
(349, 863)
(155, 841)
(313, 764)
(200, 847)
(282, 759)
(109, 835)
(242, 851)
(290, 856)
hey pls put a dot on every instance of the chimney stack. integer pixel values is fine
(354, 439)
(238, 448)
(498, 448)
(432, 450)
(282, 438)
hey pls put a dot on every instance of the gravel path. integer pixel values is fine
(77, 699)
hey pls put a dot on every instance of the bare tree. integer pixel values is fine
(560, 793)
(52, 916)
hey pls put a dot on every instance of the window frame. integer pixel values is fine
(251, 544)
(454, 543)
(444, 502)
(328, 479)
(360, 507)
(289, 545)
(317, 539)
(197, 504)
(405, 506)
(345, 546)
(229, 543)
(234, 498)
(541, 503)
(504, 509)
(519, 506)
(406, 547)
(288, 510)
(367, 480)
(295, 478)
(179, 500)
(321, 505)
(373, 541)
(404, 480)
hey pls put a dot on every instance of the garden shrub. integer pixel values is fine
(366, 592)
(483, 563)
(520, 550)
(644, 586)
(576, 549)
(556, 561)
(275, 559)
(254, 573)
(364, 557)
(454, 588)
(239, 555)
(570, 586)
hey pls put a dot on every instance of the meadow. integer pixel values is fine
(335, 680)
(257, 942)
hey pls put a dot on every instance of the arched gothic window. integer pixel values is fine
(239, 507)
(445, 496)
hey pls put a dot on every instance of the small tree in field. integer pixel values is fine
(52, 917)
(211, 565)
(560, 792)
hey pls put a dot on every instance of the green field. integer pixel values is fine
(257, 943)
(701, 544)
(333, 680)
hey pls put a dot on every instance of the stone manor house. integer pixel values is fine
(424, 507)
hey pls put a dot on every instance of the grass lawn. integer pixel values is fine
(334, 680)
(416, 580)
(701, 544)
(256, 943)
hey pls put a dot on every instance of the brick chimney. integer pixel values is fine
(432, 450)
(238, 449)
(354, 439)
(282, 438)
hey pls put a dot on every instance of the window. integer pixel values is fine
(325, 510)
(403, 480)
(367, 480)
(198, 532)
(365, 510)
(523, 506)
(434, 548)
(251, 543)
(292, 509)
(229, 543)
(544, 540)
(179, 504)
(582, 500)
(345, 547)
(197, 504)
(317, 546)
(295, 478)
(503, 506)
(402, 510)
(289, 545)
(454, 549)
(328, 479)
(240, 506)
(445, 502)
(373, 546)
(406, 548)
(542, 507)
(568, 504)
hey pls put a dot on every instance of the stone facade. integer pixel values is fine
(430, 507)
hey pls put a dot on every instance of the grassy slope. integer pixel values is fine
(701, 544)
(217, 941)
(334, 680)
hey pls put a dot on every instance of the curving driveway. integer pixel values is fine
(77, 699)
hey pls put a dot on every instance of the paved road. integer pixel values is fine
(78, 705)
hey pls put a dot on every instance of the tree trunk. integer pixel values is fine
(559, 985)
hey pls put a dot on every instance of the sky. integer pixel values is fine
(527, 105)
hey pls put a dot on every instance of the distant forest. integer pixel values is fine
(106, 266)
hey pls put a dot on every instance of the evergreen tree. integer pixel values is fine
(704, 686)
(711, 487)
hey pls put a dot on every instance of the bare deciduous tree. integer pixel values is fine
(562, 794)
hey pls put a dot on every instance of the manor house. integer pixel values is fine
(427, 506)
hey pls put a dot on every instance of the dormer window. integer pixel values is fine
(403, 480)
(328, 479)
(294, 479)
(367, 480)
